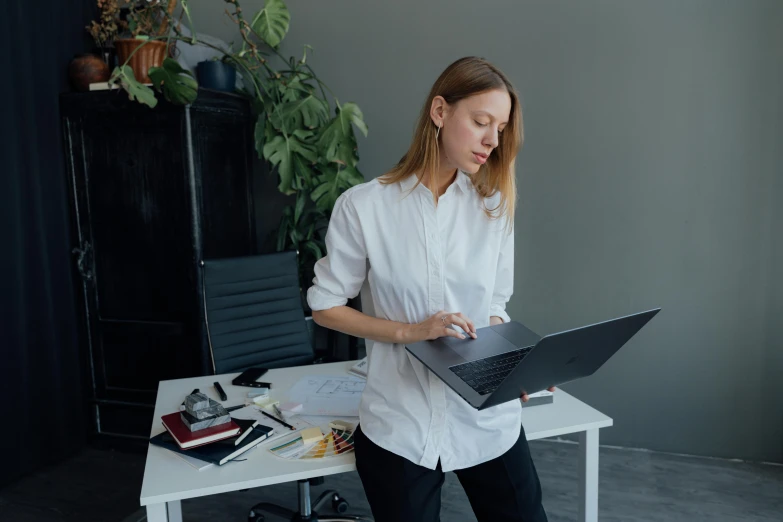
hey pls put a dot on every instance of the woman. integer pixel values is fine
(436, 232)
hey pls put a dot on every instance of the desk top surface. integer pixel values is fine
(167, 477)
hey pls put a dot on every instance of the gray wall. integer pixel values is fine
(650, 177)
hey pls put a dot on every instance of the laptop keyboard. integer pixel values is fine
(485, 375)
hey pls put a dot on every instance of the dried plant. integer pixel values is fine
(151, 17)
(105, 29)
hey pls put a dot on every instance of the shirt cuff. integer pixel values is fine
(319, 298)
(499, 312)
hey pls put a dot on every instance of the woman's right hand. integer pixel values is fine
(438, 326)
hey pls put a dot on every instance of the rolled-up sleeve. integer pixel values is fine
(504, 277)
(339, 275)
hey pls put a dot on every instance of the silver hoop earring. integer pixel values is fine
(437, 134)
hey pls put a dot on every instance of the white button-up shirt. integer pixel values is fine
(422, 259)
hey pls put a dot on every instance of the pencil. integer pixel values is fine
(284, 423)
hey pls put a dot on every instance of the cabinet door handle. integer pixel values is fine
(84, 260)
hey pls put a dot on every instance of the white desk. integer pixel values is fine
(168, 479)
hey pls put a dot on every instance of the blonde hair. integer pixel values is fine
(467, 77)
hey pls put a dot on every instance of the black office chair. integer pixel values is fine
(254, 317)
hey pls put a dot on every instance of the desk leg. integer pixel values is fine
(588, 476)
(165, 512)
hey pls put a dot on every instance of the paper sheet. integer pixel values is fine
(254, 412)
(328, 395)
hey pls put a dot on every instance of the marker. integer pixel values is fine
(219, 388)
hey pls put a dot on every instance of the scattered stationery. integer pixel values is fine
(334, 443)
(218, 452)
(221, 393)
(291, 407)
(284, 423)
(246, 431)
(360, 369)
(311, 435)
(328, 395)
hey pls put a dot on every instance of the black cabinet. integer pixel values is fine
(152, 192)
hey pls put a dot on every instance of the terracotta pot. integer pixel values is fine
(85, 69)
(150, 55)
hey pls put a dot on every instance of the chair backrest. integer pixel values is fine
(253, 312)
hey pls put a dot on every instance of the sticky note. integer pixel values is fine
(311, 435)
(293, 407)
(264, 401)
(341, 425)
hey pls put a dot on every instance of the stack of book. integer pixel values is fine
(204, 439)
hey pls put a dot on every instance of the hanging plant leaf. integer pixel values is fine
(271, 22)
(279, 152)
(335, 180)
(308, 112)
(177, 84)
(337, 141)
(136, 91)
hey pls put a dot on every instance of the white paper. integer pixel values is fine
(328, 395)
(253, 412)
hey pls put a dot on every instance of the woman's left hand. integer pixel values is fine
(525, 398)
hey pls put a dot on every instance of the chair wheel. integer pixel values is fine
(339, 504)
(256, 517)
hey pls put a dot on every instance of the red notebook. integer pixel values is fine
(190, 439)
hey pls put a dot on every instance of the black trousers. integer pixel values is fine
(504, 489)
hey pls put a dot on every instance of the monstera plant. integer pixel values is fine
(306, 137)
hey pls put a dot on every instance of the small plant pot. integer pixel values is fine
(150, 55)
(216, 75)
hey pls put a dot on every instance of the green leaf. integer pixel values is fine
(177, 84)
(309, 112)
(334, 181)
(271, 22)
(301, 199)
(282, 233)
(337, 140)
(313, 248)
(136, 91)
(280, 153)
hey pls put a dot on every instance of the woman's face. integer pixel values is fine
(471, 129)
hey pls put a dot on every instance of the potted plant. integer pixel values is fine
(143, 47)
(306, 136)
(218, 74)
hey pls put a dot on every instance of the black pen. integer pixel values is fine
(219, 388)
(284, 423)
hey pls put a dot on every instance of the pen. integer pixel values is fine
(247, 432)
(277, 410)
(284, 423)
(219, 388)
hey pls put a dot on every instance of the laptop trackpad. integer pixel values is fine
(488, 343)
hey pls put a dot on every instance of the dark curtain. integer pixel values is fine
(43, 400)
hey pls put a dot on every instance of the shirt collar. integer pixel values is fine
(461, 182)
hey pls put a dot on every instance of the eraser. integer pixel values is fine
(293, 407)
(341, 425)
(264, 401)
(311, 435)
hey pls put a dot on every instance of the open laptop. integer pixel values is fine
(508, 359)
